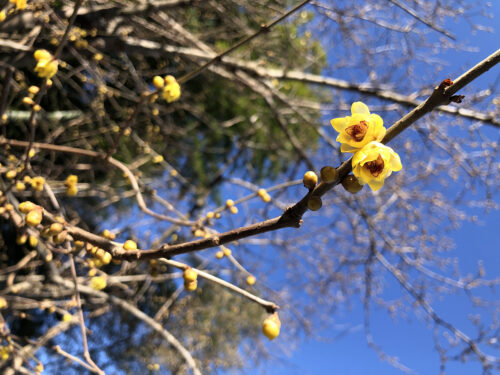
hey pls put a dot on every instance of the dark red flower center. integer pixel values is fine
(376, 166)
(358, 131)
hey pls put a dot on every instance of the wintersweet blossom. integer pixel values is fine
(374, 163)
(359, 129)
(172, 90)
(47, 65)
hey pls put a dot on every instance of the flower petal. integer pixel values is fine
(339, 123)
(359, 107)
(376, 184)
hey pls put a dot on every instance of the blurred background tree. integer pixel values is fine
(256, 118)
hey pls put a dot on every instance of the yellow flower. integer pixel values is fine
(172, 90)
(2, 16)
(46, 66)
(20, 4)
(374, 163)
(359, 129)
(98, 283)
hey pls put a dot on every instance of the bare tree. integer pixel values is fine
(153, 153)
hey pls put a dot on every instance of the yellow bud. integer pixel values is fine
(251, 280)
(210, 215)
(310, 180)
(34, 217)
(233, 209)
(199, 233)
(72, 191)
(33, 90)
(190, 275)
(328, 174)
(33, 241)
(32, 151)
(129, 245)
(98, 283)
(98, 57)
(158, 159)
(191, 286)
(217, 215)
(226, 251)
(56, 228)
(11, 174)
(27, 206)
(3, 303)
(229, 203)
(264, 195)
(67, 318)
(42, 54)
(351, 184)
(219, 254)
(158, 82)
(21, 239)
(314, 203)
(39, 368)
(271, 326)
(92, 272)
(106, 258)
(20, 186)
(49, 82)
(100, 253)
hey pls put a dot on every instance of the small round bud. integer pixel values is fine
(219, 254)
(129, 245)
(226, 251)
(328, 174)
(271, 326)
(106, 258)
(26, 207)
(229, 203)
(351, 184)
(251, 280)
(314, 203)
(158, 82)
(190, 275)
(33, 241)
(56, 228)
(233, 209)
(310, 180)
(34, 217)
(210, 215)
(21, 239)
(191, 286)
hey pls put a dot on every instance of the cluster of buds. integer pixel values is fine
(171, 90)
(190, 279)
(28, 100)
(47, 65)
(70, 183)
(34, 213)
(264, 195)
(230, 205)
(101, 256)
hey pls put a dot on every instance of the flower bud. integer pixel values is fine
(271, 326)
(328, 174)
(351, 184)
(190, 275)
(314, 203)
(310, 180)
